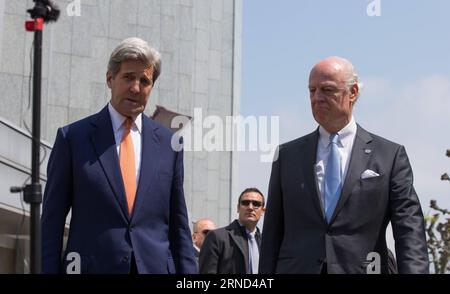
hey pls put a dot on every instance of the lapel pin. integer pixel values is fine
(367, 151)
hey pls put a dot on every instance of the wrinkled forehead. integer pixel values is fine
(252, 196)
(137, 67)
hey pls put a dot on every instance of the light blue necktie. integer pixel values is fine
(333, 179)
(253, 254)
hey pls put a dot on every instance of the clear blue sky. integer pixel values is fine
(403, 59)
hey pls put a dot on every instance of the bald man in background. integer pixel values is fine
(201, 228)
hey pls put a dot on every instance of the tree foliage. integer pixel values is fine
(438, 232)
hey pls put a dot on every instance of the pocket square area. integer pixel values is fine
(368, 173)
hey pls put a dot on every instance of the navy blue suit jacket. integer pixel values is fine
(84, 175)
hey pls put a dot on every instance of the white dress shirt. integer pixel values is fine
(346, 137)
(118, 125)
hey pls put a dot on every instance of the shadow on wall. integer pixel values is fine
(165, 117)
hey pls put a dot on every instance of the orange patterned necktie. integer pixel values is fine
(128, 164)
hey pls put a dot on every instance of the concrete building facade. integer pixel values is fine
(200, 44)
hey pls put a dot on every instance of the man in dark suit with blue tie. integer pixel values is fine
(122, 179)
(333, 192)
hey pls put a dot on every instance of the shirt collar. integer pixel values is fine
(245, 228)
(117, 119)
(345, 137)
(196, 248)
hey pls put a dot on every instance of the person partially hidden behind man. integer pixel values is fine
(118, 173)
(201, 228)
(333, 192)
(235, 249)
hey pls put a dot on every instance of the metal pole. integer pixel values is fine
(43, 11)
(36, 191)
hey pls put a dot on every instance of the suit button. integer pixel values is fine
(125, 259)
(329, 232)
(131, 228)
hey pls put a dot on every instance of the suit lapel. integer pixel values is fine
(308, 153)
(102, 137)
(236, 233)
(258, 238)
(358, 162)
(149, 161)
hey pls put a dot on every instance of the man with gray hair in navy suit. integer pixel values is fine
(116, 170)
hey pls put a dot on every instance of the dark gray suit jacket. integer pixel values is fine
(225, 251)
(296, 236)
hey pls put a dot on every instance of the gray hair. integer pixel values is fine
(352, 75)
(135, 49)
(353, 78)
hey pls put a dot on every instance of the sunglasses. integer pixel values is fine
(254, 202)
(204, 232)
